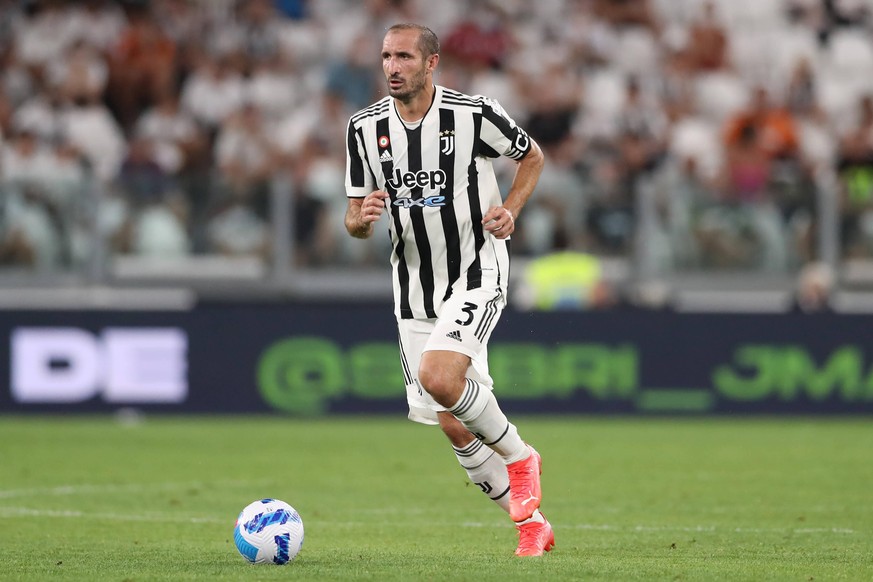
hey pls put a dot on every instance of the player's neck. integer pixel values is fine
(417, 107)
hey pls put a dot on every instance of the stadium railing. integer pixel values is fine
(81, 244)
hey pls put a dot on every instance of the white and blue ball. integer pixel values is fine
(268, 531)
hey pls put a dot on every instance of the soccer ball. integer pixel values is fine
(268, 531)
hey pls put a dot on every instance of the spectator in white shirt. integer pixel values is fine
(82, 72)
(177, 140)
(246, 159)
(90, 127)
(212, 91)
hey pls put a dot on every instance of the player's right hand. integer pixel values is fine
(373, 206)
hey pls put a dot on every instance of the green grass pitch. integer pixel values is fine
(384, 499)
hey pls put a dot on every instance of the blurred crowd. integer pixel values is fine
(170, 127)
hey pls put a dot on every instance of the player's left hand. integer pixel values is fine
(499, 221)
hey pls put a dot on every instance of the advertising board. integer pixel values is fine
(306, 359)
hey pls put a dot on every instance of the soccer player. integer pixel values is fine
(422, 156)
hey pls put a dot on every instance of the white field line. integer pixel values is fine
(12, 512)
(88, 489)
(7, 512)
(714, 529)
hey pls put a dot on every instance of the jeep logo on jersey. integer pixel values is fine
(422, 179)
(430, 202)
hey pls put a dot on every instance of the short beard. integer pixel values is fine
(415, 86)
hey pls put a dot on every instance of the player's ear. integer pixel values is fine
(432, 62)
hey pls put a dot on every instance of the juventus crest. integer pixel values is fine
(447, 141)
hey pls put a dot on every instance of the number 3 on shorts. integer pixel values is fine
(468, 308)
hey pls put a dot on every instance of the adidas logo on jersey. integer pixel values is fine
(386, 157)
(455, 335)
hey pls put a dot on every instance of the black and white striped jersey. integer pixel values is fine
(441, 183)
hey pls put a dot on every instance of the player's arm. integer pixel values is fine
(500, 220)
(362, 213)
(366, 204)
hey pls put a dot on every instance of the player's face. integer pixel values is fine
(405, 67)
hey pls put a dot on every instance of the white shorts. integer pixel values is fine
(464, 325)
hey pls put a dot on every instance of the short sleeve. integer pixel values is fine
(359, 180)
(500, 135)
